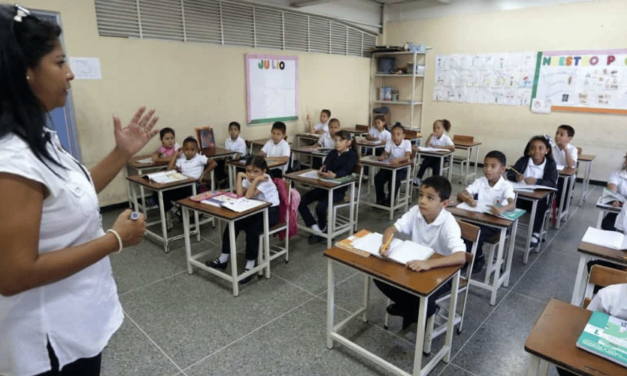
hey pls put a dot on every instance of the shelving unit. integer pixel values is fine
(411, 102)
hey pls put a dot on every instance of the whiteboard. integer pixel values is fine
(583, 81)
(272, 88)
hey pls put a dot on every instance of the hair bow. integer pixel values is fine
(21, 12)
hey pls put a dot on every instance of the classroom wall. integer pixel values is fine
(587, 25)
(190, 85)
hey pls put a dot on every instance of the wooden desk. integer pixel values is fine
(534, 197)
(553, 340)
(160, 188)
(312, 138)
(421, 284)
(354, 130)
(404, 203)
(603, 210)
(587, 252)
(435, 154)
(311, 152)
(332, 231)
(230, 217)
(140, 169)
(569, 175)
(260, 142)
(469, 147)
(585, 191)
(217, 153)
(374, 145)
(502, 225)
(234, 165)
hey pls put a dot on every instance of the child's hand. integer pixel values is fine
(418, 266)
(382, 157)
(205, 181)
(616, 204)
(471, 201)
(261, 178)
(496, 210)
(241, 175)
(385, 246)
(155, 158)
(531, 181)
(369, 137)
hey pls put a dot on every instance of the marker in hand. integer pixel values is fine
(134, 216)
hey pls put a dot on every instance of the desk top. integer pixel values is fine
(138, 179)
(554, 338)
(538, 194)
(443, 153)
(586, 157)
(483, 218)
(568, 171)
(261, 141)
(422, 283)
(466, 145)
(242, 163)
(312, 136)
(372, 144)
(607, 207)
(604, 252)
(311, 150)
(317, 182)
(218, 211)
(133, 162)
(354, 130)
(374, 161)
(216, 152)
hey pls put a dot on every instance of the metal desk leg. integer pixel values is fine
(452, 309)
(420, 334)
(468, 155)
(579, 280)
(330, 224)
(562, 207)
(233, 261)
(534, 208)
(330, 302)
(392, 193)
(188, 246)
(164, 225)
(497, 269)
(476, 161)
(196, 215)
(533, 365)
(366, 296)
(352, 211)
(543, 369)
(266, 240)
(510, 253)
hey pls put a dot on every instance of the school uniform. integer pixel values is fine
(253, 225)
(385, 176)
(500, 193)
(192, 168)
(282, 149)
(546, 174)
(340, 164)
(618, 178)
(434, 162)
(383, 136)
(326, 141)
(559, 156)
(444, 236)
(322, 127)
(238, 146)
(165, 152)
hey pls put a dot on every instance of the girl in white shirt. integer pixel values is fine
(617, 184)
(379, 132)
(437, 140)
(254, 183)
(398, 150)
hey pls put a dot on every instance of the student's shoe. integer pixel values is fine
(313, 239)
(247, 279)
(216, 264)
(409, 318)
(387, 203)
(395, 309)
(478, 265)
(316, 229)
(535, 239)
(150, 202)
(168, 221)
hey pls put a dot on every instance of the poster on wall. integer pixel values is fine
(490, 78)
(582, 81)
(271, 88)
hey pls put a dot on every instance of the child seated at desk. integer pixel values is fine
(429, 224)
(327, 140)
(321, 127)
(617, 184)
(233, 143)
(565, 154)
(437, 140)
(379, 132)
(254, 183)
(338, 163)
(277, 148)
(494, 190)
(536, 166)
(168, 146)
(398, 150)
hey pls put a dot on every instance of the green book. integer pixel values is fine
(339, 180)
(512, 215)
(605, 336)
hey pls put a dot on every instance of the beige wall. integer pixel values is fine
(189, 84)
(598, 24)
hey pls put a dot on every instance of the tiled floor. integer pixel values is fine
(180, 324)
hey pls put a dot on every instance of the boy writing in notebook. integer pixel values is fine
(431, 225)
(277, 149)
(492, 189)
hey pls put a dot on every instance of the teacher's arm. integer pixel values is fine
(128, 141)
(21, 266)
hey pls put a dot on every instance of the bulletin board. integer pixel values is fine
(271, 88)
(582, 81)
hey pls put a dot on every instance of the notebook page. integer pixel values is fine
(408, 251)
(609, 239)
(371, 243)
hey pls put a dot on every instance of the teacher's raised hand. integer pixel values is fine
(132, 138)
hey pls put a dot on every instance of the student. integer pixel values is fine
(617, 184)
(494, 190)
(437, 140)
(338, 163)
(168, 146)
(254, 183)
(429, 224)
(277, 148)
(379, 132)
(323, 125)
(537, 167)
(398, 150)
(327, 140)
(235, 142)
(564, 154)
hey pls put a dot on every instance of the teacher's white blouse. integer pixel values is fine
(79, 314)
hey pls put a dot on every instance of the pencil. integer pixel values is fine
(388, 242)
(513, 169)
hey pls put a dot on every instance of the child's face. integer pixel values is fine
(334, 128)
(252, 172)
(340, 144)
(493, 169)
(438, 129)
(324, 117)
(397, 135)
(233, 132)
(537, 151)
(429, 202)
(190, 149)
(277, 135)
(561, 137)
(379, 124)
(168, 140)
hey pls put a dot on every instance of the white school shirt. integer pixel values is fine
(269, 193)
(619, 178)
(384, 135)
(560, 155)
(238, 146)
(192, 168)
(501, 191)
(611, 300)
(282, 149)
(322, 127)
(79, 313)
(397, 151)
(444, 140)
(326, 141)
(533, 171)
(443, 234)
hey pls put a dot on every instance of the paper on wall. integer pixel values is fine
(513, 60)
(86, 68)
(441, 63)
(500, 61)
(526, 78)
(541, 106)
(529, 60)
(523, 96)
(439, 94)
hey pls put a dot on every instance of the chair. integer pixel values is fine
(602, 276)
(341, 220)
(276, 251)
(470, 233)
(362, 128)
(462, 160)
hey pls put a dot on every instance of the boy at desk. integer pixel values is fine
(277, 148)
(429, 224)
(491, 189)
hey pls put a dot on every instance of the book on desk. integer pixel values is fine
(483, 207)
(605, 336)
(165, 177)
(521, 186)
(608, 197)
(314, 175)
(608, 239)
(227, 200)
(366, 243)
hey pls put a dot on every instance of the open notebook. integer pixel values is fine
(433, 150)
(483, 207)
(401, 251)
(521, 186)
(166, 177)
(609, 239)
(608, 197)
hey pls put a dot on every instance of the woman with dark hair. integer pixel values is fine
(58, 300)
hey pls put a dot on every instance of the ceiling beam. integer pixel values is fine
(306, 3)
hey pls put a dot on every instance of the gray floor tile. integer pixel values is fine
(452, 370)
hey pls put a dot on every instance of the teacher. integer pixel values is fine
(58, 301)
